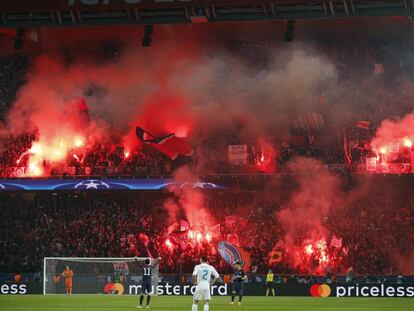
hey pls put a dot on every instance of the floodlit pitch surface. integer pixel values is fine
(102, 303)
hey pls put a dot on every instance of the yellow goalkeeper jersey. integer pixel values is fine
(269, 277)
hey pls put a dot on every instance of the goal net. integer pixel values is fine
(95, 275)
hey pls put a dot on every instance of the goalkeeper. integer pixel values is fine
(147, 273)
(68, 275)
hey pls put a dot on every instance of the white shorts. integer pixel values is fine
(202, 293)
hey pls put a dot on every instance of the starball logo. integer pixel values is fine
(320, 290)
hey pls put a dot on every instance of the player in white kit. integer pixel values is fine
(202, 278)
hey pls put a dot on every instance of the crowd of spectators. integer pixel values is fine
(12, 71)
(381, 65)
(375, 232)
(383, 232)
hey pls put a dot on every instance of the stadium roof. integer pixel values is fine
(49, 13)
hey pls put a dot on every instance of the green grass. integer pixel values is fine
(119, 303)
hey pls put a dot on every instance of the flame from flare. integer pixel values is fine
(36, 149)
(408, 142)
(191, 234)
(169, 244)
(309, 249)
(78, 141)
(35, 170)
(53, 151)
(315, 250)
(208, 237)
(199, 237)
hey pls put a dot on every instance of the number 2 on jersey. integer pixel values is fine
(205, 273)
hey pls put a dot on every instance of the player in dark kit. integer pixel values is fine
(146, 285)
(238, 283)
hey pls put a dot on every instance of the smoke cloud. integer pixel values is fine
(304, 215)
(180, 87)
(394, 132)
(204, 84)
(189, 202)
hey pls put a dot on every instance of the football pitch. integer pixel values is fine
(120, 303)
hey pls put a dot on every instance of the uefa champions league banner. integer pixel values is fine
(100, 184)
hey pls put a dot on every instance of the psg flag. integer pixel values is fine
(170, 145)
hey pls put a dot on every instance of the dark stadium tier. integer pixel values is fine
(114, 12)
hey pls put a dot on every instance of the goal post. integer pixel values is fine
(95, 275)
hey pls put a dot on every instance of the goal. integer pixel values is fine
(95, 275)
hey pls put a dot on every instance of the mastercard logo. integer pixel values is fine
(318, 290)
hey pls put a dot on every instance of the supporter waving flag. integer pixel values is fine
(170, 145)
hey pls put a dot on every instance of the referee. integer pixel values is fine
(269, 283)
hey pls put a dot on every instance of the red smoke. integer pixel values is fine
(191, 202)
(393, 141)
(191, 87)
(162, 114)
(394, 132)
(303, 217)
(61, 128)
(188, 206)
